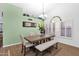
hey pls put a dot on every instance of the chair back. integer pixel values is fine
(22, 39)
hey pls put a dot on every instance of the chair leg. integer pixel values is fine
(22, 49)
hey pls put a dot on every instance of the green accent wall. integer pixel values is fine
(12, 25)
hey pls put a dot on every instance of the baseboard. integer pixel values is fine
(68, 41)
(74, 45)
(58, 41)
(12, 44)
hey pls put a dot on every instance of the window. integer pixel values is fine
(62, 29)
(68, 31)
(65, 30)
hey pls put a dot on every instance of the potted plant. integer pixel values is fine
(41, 27)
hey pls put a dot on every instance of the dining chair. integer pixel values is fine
(25, 44)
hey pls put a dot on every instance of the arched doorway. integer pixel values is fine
(55, 26)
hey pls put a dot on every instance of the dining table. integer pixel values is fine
(36, 38)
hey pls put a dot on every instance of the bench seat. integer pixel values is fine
(45, 45)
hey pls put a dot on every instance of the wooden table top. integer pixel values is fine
(35, 38)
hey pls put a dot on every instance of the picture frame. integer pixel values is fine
(29, 24)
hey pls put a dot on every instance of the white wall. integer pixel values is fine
(69, 14)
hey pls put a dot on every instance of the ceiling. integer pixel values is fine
(36, 9)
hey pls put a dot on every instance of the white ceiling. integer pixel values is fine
(50, 9)
(36, 9)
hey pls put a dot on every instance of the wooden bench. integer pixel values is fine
(44, 46)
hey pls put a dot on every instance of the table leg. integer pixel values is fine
(56, 46)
